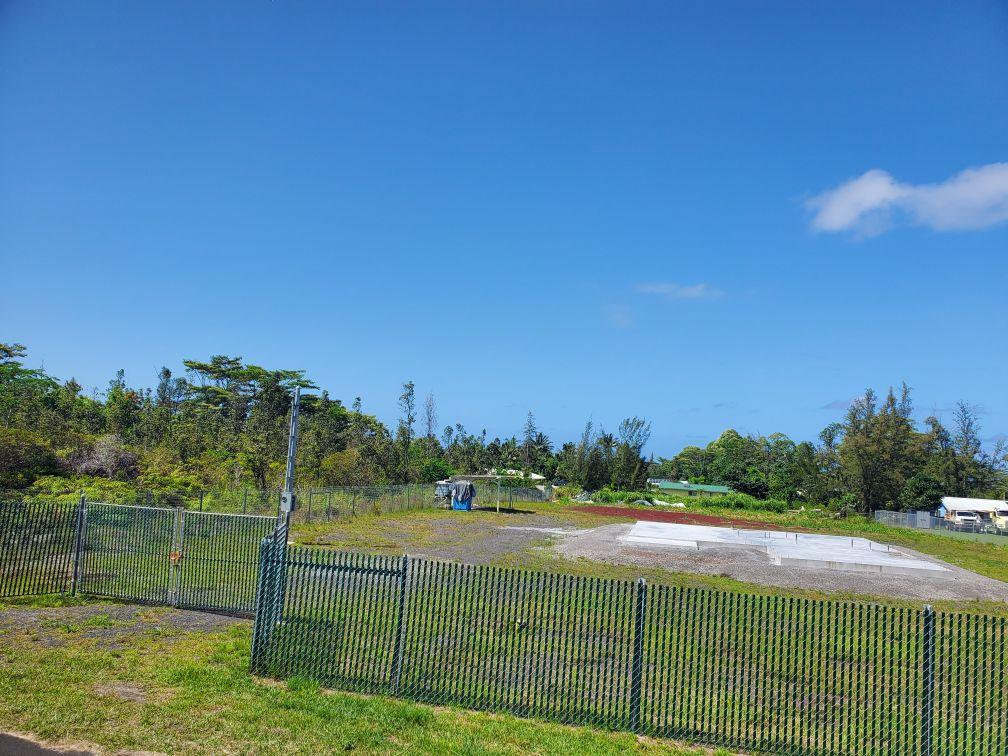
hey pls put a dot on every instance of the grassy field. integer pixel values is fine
(130, 678)
(477, 538)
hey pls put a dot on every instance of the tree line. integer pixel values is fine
(223, 424)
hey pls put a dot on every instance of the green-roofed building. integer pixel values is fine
(684, 488)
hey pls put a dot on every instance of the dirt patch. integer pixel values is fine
(19, 744)
(750, 564)
(684, 518)
(122, 691)
(477, 537)
(112, 626)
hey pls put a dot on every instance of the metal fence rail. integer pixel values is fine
(170, 557)
(774, 674)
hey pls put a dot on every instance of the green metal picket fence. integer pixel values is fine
(773, 674)
(37, 545)
(170, 557)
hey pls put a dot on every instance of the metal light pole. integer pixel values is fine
(273, 570)
(287, 498)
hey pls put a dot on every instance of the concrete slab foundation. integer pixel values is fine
(809, 550)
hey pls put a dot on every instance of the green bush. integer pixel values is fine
(566, 492)
(739, 501)
(68, 489)
(24, 456)
(609, 496)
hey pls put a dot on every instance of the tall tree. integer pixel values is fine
(527, 441)
(430, 415)
(407, 403)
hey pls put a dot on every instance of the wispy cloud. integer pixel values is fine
(838, 404)
(619, 316)
(875, 202)
(678, 291)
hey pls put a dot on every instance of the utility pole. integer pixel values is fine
(287, 498)
(273, 571)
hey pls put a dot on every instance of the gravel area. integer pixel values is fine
(605, 544)
(471, 541)
(476, 537)
(112, 625)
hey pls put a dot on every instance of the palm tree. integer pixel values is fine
(542, 444)
(607, 442)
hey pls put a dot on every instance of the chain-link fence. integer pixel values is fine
(773, 674)
(927, 521)
(315, 504)
(171, 557)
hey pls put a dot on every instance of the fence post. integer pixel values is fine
(265, 594)
(637, 665)
(927, 683)
(311, 493)
(78, 543)
(280, 557)
(400, 627)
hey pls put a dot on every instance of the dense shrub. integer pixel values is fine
(24, 456)
(726, 501)
(58, 488)
(609, 496)
(738, 501)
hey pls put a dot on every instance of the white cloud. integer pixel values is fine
(619, 316)
(677, 291)
(872, 203)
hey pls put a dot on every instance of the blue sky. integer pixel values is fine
(709, 214)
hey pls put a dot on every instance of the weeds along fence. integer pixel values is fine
(771, 674)
(170, 557)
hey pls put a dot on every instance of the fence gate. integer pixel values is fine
(126, 553)
(216, 560)
(37, 544)
(174, 557)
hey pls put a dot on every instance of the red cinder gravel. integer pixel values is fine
(684, 518)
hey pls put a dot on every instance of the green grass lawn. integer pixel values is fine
(191, 692)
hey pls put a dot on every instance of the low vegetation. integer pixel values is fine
(122, 685)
